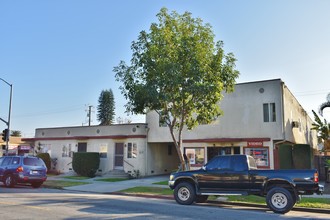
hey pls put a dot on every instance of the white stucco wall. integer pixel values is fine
(60, 143)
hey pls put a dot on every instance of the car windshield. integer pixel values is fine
(33, 161)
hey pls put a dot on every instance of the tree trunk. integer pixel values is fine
(178, 148)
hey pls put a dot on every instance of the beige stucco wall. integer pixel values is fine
(242, 116)
(159, 161)
(294, 112)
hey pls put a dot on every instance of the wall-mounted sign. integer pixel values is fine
(24, 147)
(255, 144)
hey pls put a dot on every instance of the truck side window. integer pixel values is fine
(239, 165)
(213, 164)
(224, 163)
(219, 163)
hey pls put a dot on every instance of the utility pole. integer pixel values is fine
(89, 115)
(9, 114)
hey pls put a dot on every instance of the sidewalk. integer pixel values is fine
(110, 187)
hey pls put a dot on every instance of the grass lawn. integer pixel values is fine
(149, 190)
(165, 183)
(112, 179)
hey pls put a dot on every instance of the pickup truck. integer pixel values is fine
(238, 175)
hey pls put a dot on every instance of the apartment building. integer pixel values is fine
(257, 118)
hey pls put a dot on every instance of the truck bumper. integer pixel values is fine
(171, 184)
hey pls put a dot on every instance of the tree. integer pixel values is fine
(106, 108)
(325, 105)
(322, 127)
(323, 130)
(178, 71)
(15, 133)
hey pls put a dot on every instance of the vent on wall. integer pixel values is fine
(295, 124)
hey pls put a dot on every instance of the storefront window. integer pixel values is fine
(260, 154)
(196, 156)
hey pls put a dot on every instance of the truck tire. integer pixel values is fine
(184, 193)
(279, 200)
(201, 198)
(9, 181)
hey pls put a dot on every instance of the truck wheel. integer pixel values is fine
(9, 181)
(201, 199)
(184, 193)
(279, 200)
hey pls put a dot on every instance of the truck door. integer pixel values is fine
(224, 174)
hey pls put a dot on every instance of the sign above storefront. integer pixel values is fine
(255, 144)
(24, 147)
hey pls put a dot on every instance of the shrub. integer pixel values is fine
(86, 163)
(46, 158)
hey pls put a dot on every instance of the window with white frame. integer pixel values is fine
(269, 112)
(131, 150)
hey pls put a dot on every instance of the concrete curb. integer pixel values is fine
(170, 197)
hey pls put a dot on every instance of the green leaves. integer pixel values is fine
(322, 128)
(179, 70)
(106, 108)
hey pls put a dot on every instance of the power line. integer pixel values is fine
(311, 93)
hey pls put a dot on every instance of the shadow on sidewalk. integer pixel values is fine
(326, 188)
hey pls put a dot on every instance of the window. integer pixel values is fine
(15, 160)
(260, 154)
(238, 164)
(195, 155)
(6, 161)
(269, 112)
(169, 149)
(33, 161)
(103, 150)
(131, 150)
(219, 163)
(82, 147)
(65, 152)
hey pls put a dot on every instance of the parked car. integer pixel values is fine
(22, 169)
(238, 175)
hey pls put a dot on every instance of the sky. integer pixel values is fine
(59, 55)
